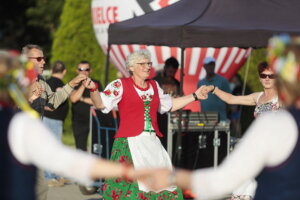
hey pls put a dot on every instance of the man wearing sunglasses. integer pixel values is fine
(81, 103)
(41, 97)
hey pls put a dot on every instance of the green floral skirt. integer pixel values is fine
(119, 188)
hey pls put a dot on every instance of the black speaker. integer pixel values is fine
(162, 121)
(198, 149)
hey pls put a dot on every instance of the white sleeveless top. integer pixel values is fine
(272, 105)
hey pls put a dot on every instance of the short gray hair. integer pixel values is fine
(29, 47)
(136, 56)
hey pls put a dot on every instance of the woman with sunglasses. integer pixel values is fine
(264, 101)
(270, 149)
(138, 100)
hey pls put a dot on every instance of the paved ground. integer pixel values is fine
(69, 192)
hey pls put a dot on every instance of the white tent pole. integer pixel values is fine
(246, 73)
(107, 64)
(244, 85)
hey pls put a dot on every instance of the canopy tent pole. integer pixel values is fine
(246, 73)
(181, 72)
(107, 64)
(179, 135)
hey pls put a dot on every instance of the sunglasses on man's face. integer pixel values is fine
(84, 69)
(270, 76)
(39, 59)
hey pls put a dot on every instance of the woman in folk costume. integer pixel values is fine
(138, 100)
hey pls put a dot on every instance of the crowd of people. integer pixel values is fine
(27, 144)
(264, 164)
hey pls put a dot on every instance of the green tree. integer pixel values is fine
(74, 41)
(13, 28)
(257, 56)
(44, 16)
(31, 21)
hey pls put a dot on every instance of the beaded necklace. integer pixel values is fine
(140, 88)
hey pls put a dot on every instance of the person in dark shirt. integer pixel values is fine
(241, 116)
(167, 80)
(81, 103)
(170, 85)
(55, 82)
(54, 120)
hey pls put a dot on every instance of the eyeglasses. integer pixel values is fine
(144, 64)
(39, 59)
(84, 69)
(270, 76)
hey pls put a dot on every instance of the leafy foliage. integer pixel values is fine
(257, 56)
(45, 14)
(31, 21)
(75, 41)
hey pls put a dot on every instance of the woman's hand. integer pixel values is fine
(77, 80)
(35, 91)
(202, 92)
(162, 178)
(155, 179)
(48, 108)
(89, 84)
(210, 88)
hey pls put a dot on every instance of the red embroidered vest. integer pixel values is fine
(131, 110)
